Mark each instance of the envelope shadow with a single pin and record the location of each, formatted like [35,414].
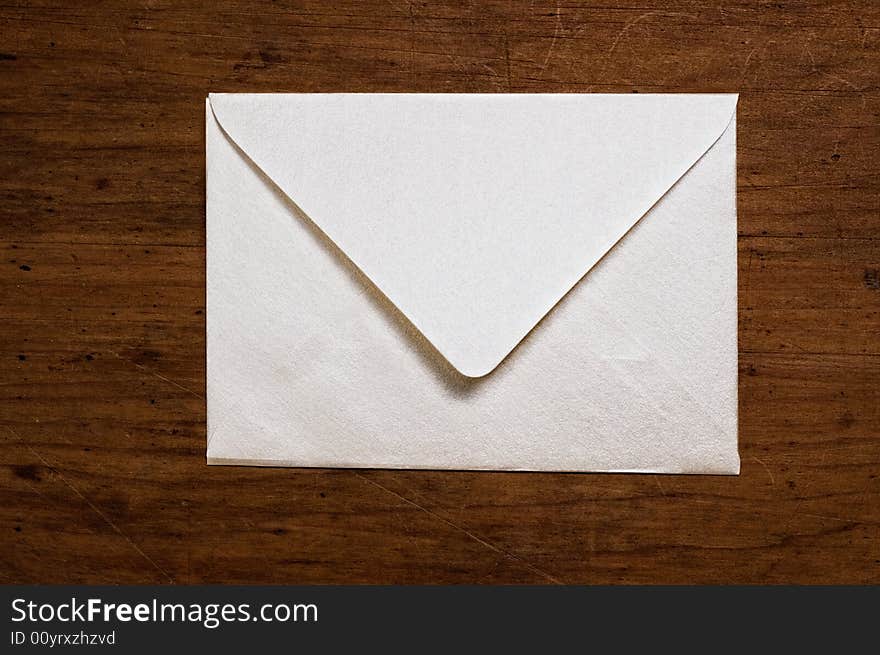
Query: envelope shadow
[456,383]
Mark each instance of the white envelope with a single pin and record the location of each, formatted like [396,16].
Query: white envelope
[510,282]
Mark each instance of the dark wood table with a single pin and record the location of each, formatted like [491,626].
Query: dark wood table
[102,296]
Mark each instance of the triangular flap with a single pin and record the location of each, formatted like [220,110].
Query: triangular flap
[474,214]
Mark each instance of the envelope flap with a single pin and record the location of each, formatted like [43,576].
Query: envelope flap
[474,214]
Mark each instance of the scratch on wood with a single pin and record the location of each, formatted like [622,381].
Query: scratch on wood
[95,509]
[766,468]
[745,67]
[465,531]
[412,41]
[815,69]
[660,485]
[748,281]
[628,26]
[843,80]
[626,29]
[161,377]
[557,27]
[507,59]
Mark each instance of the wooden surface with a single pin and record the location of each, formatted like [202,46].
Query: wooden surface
[102,289]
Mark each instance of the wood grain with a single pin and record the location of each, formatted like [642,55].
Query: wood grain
[102,327]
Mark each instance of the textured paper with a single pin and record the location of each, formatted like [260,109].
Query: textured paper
[374,260]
